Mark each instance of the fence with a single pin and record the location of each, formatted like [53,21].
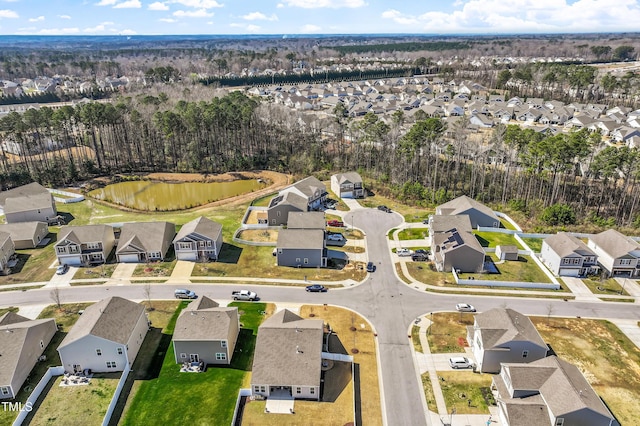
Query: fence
[337,357]
[508,219]
[519,284]
[31,400]
[70,197]
[241,393]
[116,395]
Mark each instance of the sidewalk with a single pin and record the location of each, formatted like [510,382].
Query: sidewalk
[631,287]
[581,291]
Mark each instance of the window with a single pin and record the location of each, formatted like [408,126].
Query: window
[312,391]
[61,250]
[256,388]
[306,260]
[298,390]
[209,243]
[624,262]
[278,214]
[223,344]
[111,364]
[41,344]
[99,352]
[560,421]
[525,354]
[221,356]
[4,390]
[184,246]
[119,351]
[297,260]
[183,355]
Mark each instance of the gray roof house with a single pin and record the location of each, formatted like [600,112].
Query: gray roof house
[106,337]
[282,205]
[22,342]
[566,255]
[440,224]
[310,188]
[479,214]
[28,203]
[504,335]
[7,250]
[347,185]
[618,254]
[306,220]
[206,332]
[288,356]
[26,235]
[301,248]
[200,239]
[548,392]
[456,250]
[144,241]
[84,245]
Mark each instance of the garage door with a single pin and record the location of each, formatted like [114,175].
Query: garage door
[569,272]
[128,258]
[187,256]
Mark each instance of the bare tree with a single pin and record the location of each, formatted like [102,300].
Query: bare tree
[549,312]
[55,296]
[147,294]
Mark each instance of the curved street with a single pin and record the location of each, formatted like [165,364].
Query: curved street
[388,303]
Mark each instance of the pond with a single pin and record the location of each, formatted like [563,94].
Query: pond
[164,196]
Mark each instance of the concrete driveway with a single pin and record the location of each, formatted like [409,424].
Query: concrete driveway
[63,280]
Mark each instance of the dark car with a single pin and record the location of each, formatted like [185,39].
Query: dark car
[384,209]
[316,288]
[419,257]
[422,251]
[371,267]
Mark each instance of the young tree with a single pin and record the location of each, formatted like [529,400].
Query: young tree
[55,296]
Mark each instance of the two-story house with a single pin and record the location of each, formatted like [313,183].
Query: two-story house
[479,214]
[303,243]
[347,185]
[305,195]
[84,245]
[617,253]
[457,250]
[145,241]
[200,239]
[504,335]
[28,203]
[7,250]
[567,256]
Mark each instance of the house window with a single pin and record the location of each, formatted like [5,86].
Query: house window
[256,388]
[183,355]
[99,352]
[4,390]
[111,364]
[41,344]
[208,243]
[119,351]
[560,421]
[525,354]
[297,260]
[221,356]
[61,250]
[312,391]
[278,214]
[223,344]
[263,388]
[279,251]
[298,390]
[184,246]
[625,261]
[306,260]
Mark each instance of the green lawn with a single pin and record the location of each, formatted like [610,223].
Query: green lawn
[534,244]
[33,264]
[413,234]
[524,270]
[425,272]
[507,225]
[494,239]
[155,269]
[462,391]
[264,200]
[608,286]
[5,310]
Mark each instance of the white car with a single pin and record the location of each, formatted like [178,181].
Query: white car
[460,362]
[464,307]
[404,252]
[335,237]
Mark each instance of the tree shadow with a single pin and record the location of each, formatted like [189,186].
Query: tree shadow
[229,253]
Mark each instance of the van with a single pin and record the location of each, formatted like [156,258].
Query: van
[183,293]
[460,362]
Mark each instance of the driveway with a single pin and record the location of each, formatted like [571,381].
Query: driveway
[63,280]
[182,271]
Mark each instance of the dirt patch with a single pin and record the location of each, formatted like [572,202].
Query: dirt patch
[259,235]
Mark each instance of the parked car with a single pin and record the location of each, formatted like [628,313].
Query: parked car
[371,267]
[183,293]
[335,237]
[336,223]
[464,307]
[384,209]
[404,252]
[460,362]
[425,221]
[422,251]
[244,295]
[316,288]
[62,269]
[419,257]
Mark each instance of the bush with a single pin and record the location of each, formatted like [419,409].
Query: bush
[558,214]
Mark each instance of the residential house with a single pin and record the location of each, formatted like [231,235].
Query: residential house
[282,205]
[206,332]
[503,335]
[26,235]
[301,248]
[481,120]
[145,241]
[84,245]
[441,224]
[567,256]
[347,185]
[479,214]
[306,220]
[617,253]
[548,392]
[288,357]
[22,342]
[310,188]
[106,337]
[200,239]
[457,250]
[7,250]
[28,203]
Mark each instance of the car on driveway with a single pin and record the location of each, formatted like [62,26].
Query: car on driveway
[336,223]
[335,237]
[316,288]
[422,251]
[460,362]
[404,252]
[384,209]
[62,269]
[465,307]
[419,257]
[371,267]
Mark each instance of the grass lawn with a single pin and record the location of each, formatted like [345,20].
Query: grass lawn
[494,239]
[260,235]
[524,269]
[609,360]
[448,331]
[349,249]
[264,200]
[66,316]
[10,309]
[352,234]
[423,272]
[534,244]
[251,261]
[428,392]
[415,338]
[33,265]
[608,286]
[154,269]
[507,225]
[98,271]
[413,234]
[461,390]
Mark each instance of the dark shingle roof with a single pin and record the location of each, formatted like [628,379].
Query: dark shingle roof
[202,226]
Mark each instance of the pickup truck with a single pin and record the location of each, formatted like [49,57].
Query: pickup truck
[244,295]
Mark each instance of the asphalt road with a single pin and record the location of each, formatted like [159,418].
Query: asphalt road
[389,304]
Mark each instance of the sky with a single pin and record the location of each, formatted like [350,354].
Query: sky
[154,17]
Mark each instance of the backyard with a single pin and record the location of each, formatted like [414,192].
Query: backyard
[494,239]
[410,213]
[464,391]
[413,234]
[534,244]
[522,270]
[33,265]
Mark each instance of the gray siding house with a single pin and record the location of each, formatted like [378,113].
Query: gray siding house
[288,357]
[306,220]
[145,241]
[106,337]
[567,256]
[22,342]
[504,335]
[26,235]
[84,245]
[282,205]
[618,254]
[206,333]
[347,185]
[549,391]
[443,224]
[459,251]
[199,240]
[7,250]
[479,214]
[28,203]
[304,248]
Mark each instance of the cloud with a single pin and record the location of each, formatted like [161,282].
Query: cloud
[128,32]
[158,6]
[198,4]
[200,13]
[399,18]
[259,16]
[129,4]
[98,28]
[168,20]
[106,2]
[280,5]
[6,13]
[59,31]
[253,28]
[310,28]
[333,4]
[38,19]
[64,16]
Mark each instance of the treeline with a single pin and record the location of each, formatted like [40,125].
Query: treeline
[435,46]
[30,98]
